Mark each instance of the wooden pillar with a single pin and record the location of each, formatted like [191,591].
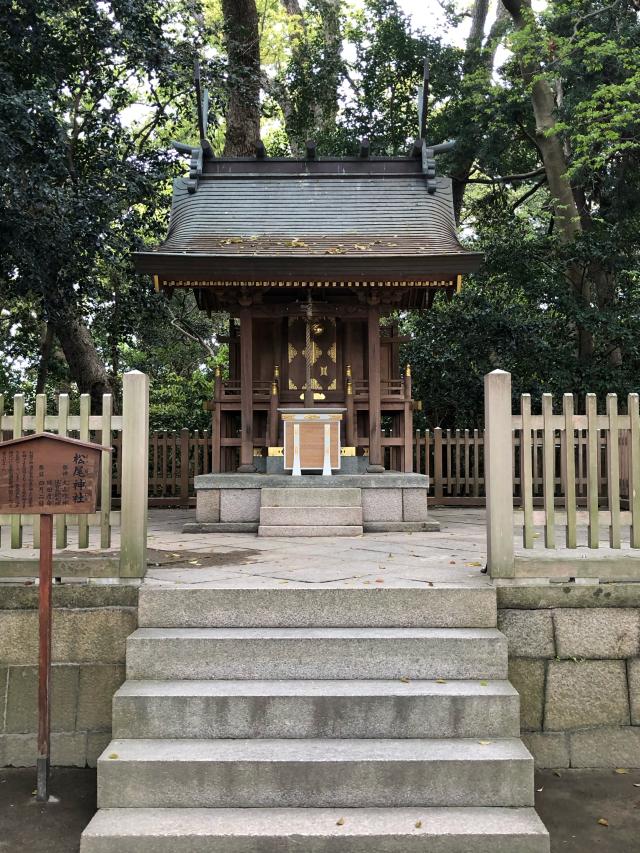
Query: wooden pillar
[273,412]
[246,391]
[375,414]
[216,424]
[407,465]
[498,439]
[135,474]
[350,421]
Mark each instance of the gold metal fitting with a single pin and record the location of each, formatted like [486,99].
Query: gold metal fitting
[407,370]
[218,371]
[348,371]
[276,372]
[274,388]
[349,387]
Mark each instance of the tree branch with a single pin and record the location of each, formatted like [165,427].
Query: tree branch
[507,179]
[534,189]
[190,333]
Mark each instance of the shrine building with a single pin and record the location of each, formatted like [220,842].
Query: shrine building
[313,259]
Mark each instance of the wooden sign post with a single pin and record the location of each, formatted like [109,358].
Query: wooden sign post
[47,475]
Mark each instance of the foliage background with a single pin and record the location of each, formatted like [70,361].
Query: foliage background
[93,93]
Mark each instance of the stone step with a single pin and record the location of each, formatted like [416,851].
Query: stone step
[315,709]
[316,653]
[327,497]
[341,773]
[310,530]
[384,830]
[328,605]
[291,516]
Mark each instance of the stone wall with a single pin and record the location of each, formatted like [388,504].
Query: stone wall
[90,627]
[574,658]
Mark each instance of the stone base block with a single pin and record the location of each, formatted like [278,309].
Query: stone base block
[401,526]
[221,527]
[239,504]
[584,694]
[68,749]
[208,506]
[606,747]
[382,504]
[550,750]
[306,530]
[396,501]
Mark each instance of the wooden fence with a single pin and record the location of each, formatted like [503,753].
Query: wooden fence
[590,460]
[453,458]
[129,432]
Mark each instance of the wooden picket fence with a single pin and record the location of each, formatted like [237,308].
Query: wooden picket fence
[453,458]
[129,432]
[587,460]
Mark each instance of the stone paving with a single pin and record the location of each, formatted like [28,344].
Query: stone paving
[455,554]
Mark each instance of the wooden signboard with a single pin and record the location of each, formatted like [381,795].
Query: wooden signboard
[45,475]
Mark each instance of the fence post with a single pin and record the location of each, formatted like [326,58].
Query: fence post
[498,481]
[135,474]
[184,466]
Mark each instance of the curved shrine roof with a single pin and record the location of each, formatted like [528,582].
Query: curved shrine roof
[250,220]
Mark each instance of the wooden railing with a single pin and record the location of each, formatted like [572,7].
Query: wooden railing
[590,460]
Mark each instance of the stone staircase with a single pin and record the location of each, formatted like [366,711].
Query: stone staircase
[316,719]
[311,512]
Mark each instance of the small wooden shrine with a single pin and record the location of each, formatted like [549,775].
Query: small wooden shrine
[313,259]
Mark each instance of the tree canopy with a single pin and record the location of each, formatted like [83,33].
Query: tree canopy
[543,104]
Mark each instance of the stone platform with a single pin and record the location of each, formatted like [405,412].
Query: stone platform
[391,502]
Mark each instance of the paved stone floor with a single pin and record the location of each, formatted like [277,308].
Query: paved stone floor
[455,554]
[570,804]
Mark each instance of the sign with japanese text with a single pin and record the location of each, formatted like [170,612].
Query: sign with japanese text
[48,474]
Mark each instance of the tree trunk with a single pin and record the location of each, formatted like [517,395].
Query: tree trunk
[85,364]
[478,53]
[567,221]
[322,93]
[46,347]
[243,83]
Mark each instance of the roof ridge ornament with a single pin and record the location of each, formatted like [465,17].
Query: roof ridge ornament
[203,151]
[421,148]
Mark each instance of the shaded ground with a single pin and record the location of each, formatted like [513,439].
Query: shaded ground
[570,805]
[572,802]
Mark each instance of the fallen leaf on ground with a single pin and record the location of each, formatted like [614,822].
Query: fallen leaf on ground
[404,679]
[621,770]
[114,755]
[340,822]
[474,563]
[379,580]
[484,684]
[440,681]
[485,742]
[603,821]
[418,824]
